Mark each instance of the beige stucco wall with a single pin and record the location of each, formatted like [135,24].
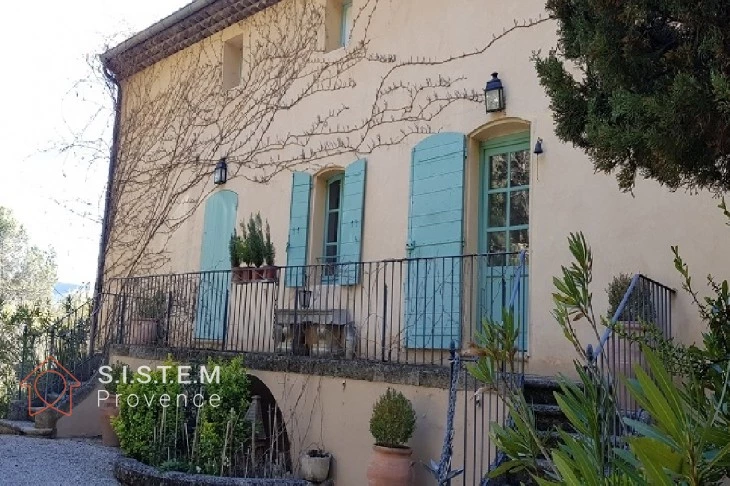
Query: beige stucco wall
[85,421]
[333,414]
[629,233]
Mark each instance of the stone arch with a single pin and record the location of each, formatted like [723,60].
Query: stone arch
[276,430]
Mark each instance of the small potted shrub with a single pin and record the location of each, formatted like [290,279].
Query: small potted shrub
[392,425]
[639,307]
[271,272]
[108,408]
[315,465]
[252,249]
[149,312]
[240,261]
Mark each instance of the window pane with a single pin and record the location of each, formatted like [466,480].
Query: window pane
[497,211]
[334,195]
[496,244]
[330,253]
[333,223]
[518,241]
[519,208]
[346,27]
[520,168]
[498,171]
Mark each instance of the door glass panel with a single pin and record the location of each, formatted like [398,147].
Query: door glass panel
[497,244]
[334,195]
[519,240]
[520,168]
[497,210]
[333,223]
[519,208]
[498,171]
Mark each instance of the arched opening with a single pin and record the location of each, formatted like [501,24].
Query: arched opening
[273,445]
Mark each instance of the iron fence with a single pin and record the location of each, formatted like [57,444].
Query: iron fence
[67,341]
[643,315]
[401,311]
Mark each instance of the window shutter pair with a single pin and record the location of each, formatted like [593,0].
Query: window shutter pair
[351,221]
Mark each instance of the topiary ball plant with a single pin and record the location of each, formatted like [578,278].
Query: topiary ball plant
[393,420]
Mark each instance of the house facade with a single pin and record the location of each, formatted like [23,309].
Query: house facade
[402,213]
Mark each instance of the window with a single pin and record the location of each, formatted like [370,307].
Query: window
[332,218]
[339,18]
[346,26]
[232,62]
[507,201]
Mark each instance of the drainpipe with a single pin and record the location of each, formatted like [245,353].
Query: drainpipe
[105,224]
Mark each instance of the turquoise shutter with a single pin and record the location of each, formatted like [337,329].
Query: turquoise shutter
[351,223]
[296,249]
[435,229]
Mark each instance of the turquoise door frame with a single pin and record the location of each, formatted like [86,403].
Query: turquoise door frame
[504,228]
[215,265]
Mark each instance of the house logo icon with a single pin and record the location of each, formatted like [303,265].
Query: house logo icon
[52,385]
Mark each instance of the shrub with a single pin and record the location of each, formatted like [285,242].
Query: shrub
[223,431]
[639,306]
[116,377]
[148,433]
[393,420]
[209,439]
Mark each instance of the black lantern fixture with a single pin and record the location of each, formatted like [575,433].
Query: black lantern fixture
[538,147]
[304,298]
[494,94]
[220,174]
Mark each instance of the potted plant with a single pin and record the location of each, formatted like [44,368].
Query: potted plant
[252,249]
[149,312]
[240,261]
[315,465]
[271,272]
[392,425]
[639,307]
[108,407]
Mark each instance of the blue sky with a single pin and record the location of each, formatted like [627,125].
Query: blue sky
[41,64]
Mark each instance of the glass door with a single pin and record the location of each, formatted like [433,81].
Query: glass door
[504,227]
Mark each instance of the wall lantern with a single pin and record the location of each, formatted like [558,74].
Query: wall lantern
[538,147]
[220,174]
[494,94]
[304,298]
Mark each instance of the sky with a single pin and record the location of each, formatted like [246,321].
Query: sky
[44,47]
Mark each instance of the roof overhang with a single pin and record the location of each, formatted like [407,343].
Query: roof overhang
[192,23]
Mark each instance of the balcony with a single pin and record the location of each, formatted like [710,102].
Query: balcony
[406,311]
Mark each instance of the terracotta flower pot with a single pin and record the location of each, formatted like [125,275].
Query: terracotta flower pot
[271,273]
[107,410]
[391,467]
[242,275]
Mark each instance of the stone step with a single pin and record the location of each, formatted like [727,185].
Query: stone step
[550,417]
[17,427]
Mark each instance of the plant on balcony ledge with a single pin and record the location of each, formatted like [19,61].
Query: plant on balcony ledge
[150,310]
[251,250]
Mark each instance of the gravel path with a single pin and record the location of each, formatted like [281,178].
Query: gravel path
[55,462]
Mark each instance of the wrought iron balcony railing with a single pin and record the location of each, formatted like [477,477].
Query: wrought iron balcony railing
[401,311]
